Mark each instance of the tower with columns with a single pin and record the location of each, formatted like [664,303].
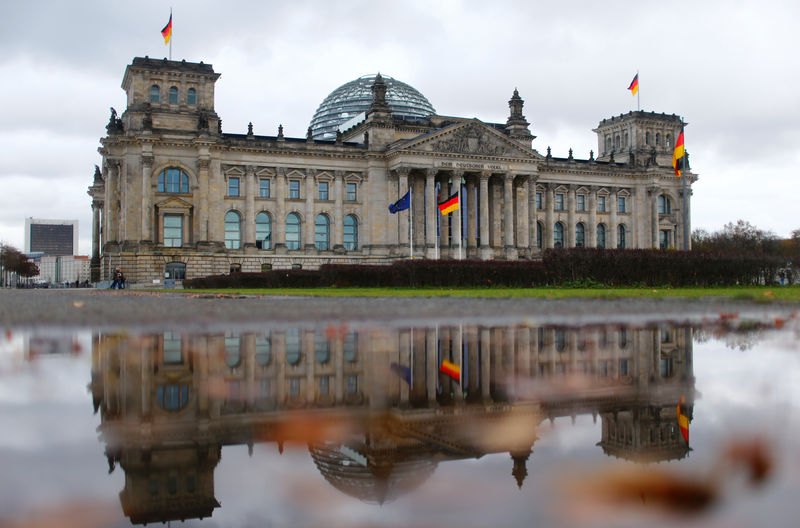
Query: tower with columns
[175,197]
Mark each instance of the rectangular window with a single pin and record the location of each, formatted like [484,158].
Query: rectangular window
[323,190]
[263,188]
[621,205]
[601,204]
[352,384]
[233,186]
[623,367]
[559,202]
[324,382]
[581,202]
[294,189]
[173,230]
[539,201]
[352,193]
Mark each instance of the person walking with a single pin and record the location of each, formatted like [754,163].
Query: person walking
[119,280]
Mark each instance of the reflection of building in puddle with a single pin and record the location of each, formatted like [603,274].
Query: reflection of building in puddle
[373,406]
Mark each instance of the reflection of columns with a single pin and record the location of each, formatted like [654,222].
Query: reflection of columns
[403,216]
[456,342]
[485,365]
[508,206]
[611,232]
[310,217]
[548,215]
[338,366]
[249,205]
[431,367]
[655,242]
[430,212]
[592,240]
[472,235]
[473,368]
[483,192]
[338,215]
[147,200]
[202,206]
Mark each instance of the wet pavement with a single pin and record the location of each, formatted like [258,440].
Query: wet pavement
[126,408]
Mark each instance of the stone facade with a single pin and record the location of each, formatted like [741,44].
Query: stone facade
[175,197]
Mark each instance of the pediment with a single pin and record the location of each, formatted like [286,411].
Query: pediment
[469,138]
[173,202]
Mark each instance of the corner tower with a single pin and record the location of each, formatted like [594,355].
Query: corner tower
[643,138]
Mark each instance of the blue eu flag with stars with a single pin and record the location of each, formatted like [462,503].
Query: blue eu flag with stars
[401,204]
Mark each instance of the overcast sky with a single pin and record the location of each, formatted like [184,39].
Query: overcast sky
[730,69]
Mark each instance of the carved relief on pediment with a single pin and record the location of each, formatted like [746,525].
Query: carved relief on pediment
[470,139]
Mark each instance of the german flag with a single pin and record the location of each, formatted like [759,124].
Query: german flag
[167,31]
[634,86]
[449,205]
[451,369]
[683,420]
[678,154]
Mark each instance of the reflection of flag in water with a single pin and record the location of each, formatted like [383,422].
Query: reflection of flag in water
[683,420]
[402,371]
[451,369]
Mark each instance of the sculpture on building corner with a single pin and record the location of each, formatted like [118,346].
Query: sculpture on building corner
[114,125]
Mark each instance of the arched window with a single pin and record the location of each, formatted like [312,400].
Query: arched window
[322,232]
[191,96]
[658,139]
[292,231]
[539,235]
[175,271]
[558,235]
[625,140]
[669,140]
[263,350]
[580,235]
[664,205]
[601,236]
[350,233]
[647,138]
[233,230]
[155,94]
[616,142]
[608,143]
[560,339]
[173,94]
[293,346]
[263,231]
[621,236]
[233,350]
[173,180]
[350,347]
[322,348]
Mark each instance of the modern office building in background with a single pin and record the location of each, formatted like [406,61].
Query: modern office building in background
[55,238]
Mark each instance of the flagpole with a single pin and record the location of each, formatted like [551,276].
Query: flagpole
[460,222]
[170,34]
[685,199]
[638,93]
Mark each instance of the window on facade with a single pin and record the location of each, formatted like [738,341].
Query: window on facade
[173,354]
[559,202]
[601,204]
[175,271]
[323,190]
[658,139]
[324,385]
[621,203]
[352,384]
[173,94]
[172,397]
[623,367]
[621,236]
[538,201]
[608,143]
[663,239]
[558,235]
[539,235]
[263,350]
[625,140]
[601,236]
[667,367]
[560,339]
[235,268]
[664,205]
[191,96]
[173,230]
[263,188]
[322,348]
[581,202]
[263,231]
[350,347]
[266,267]
[322,232]
[233,186]
[294,387]
[154,94]
[623,338]
[233,349]
[617,142]
[294,189]
[352,192]
[233,230]
[292,231]
[173,181]
[293,346]
[580,235]
[350,233]
[669,140]
[647,138]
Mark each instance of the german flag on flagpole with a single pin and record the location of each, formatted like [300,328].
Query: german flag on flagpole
[683,420]
[678,154]
[167,31]
[451,369]
[449,205]
[634,86]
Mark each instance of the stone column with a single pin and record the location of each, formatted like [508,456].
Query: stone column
[402,216]
[508,206]
[337,223]
[611,232]
[472,235]
[202,205]
[250,190]
[431,212]
[455,216]
[548,215]
[109,230]
[523,217]
[95,262]
[483,192]
[310,215]
[533,212]
[569,231]
[147,200]
[592,228]
[279,224]
[654,239]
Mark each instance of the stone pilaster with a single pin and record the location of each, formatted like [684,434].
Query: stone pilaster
[653,192]
[611,232]
[592,228]
[472,235]
[533,212]
[402,216]
[250,190]
[310,215]
[455,216]
[569,231]
[483,196]
[523,215]
[147,233]
[508,209]
[430,212]
[337,222]
[202,206]
[548,215]
[279,224]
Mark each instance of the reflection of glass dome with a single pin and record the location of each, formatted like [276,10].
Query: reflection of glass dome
[379,483]
[355,97]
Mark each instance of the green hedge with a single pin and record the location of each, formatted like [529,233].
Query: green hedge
[577,266]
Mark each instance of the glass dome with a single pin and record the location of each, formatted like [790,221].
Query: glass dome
[353,98]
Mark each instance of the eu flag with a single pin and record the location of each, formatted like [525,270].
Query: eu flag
[401,204]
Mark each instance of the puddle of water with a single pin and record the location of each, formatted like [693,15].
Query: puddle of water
[441,425]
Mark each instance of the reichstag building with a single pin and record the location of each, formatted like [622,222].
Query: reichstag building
[177,198]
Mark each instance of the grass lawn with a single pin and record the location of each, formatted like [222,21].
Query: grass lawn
[760,294]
